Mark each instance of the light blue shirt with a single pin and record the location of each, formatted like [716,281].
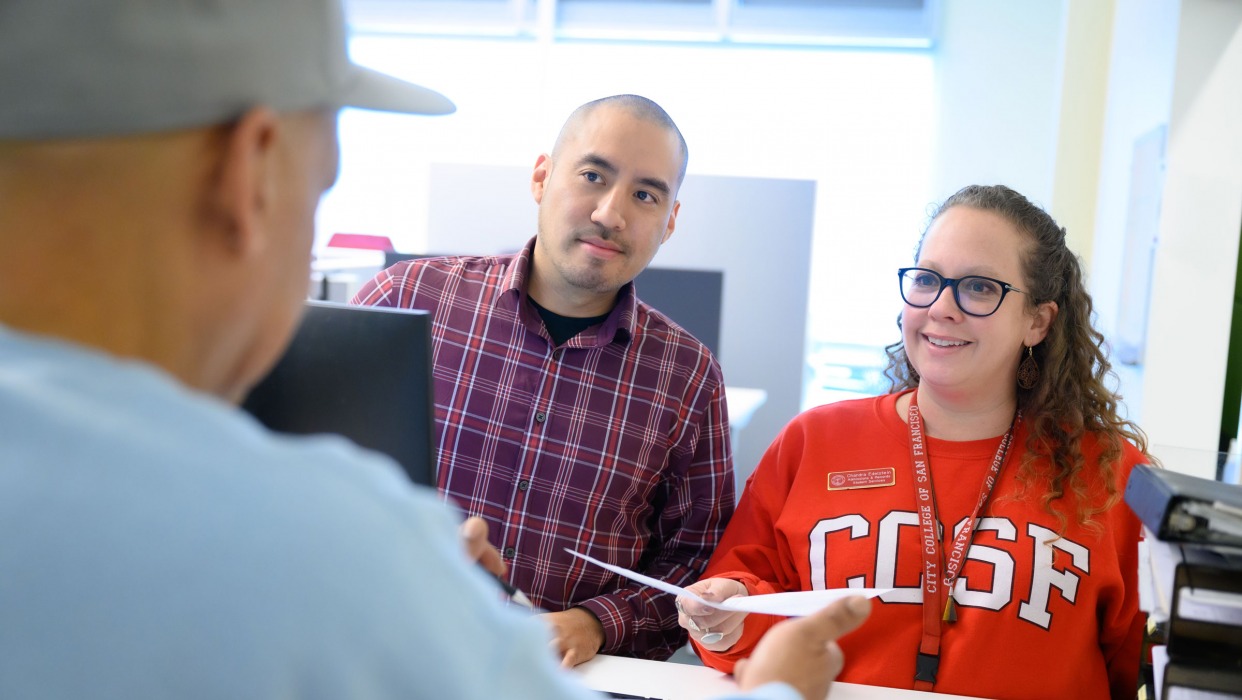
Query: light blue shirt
[156,542]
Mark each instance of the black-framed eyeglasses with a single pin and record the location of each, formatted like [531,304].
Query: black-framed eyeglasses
[975,295]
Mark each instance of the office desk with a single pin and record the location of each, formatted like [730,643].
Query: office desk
[742,403]
[670,681]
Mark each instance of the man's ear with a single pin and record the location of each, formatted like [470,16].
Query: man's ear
[246,184]
[539,177]
[672,222]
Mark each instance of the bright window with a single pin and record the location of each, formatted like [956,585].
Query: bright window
[857,122]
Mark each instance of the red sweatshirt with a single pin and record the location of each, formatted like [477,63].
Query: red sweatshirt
[1039,615]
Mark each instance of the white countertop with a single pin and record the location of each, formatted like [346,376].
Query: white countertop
[673,681]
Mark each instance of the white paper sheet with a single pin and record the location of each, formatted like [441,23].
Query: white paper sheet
[791,604]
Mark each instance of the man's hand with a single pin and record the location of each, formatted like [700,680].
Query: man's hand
[803,651]
[474,539]
[577,635]
[722,628]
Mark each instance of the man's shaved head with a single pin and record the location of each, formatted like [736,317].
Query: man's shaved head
[636,105]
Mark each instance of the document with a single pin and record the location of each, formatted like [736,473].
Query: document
[790,604]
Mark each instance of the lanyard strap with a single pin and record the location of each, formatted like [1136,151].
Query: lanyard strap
[937,584]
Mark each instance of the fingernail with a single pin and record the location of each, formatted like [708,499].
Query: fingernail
[858,604]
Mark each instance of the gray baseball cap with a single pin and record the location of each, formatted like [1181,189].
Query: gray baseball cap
[87,68]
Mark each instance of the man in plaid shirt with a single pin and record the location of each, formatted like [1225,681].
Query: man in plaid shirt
[571,415]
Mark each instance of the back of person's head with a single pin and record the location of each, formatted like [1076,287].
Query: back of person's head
[173,150]
[110,67]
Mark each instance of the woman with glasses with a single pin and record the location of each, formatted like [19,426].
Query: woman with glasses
[984,494]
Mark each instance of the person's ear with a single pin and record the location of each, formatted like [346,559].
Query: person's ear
[246,184]
[1041,322]
[672,222]
[539,177]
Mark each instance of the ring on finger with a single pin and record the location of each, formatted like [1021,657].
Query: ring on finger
[689,620]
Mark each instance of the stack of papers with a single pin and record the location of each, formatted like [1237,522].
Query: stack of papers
[1190,580]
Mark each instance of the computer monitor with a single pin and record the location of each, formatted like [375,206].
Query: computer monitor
[358,371]
[692,298]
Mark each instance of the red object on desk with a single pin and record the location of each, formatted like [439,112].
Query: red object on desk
[361,240]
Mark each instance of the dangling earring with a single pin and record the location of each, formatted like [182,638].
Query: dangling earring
[1028,371]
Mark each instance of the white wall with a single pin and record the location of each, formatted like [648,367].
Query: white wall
[998,88]
[1084,96]
[1140,92]
[1195,267]
[1178,64]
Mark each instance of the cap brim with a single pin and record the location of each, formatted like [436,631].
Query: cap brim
[374,90]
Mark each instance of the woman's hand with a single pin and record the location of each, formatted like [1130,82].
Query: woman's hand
[713,629]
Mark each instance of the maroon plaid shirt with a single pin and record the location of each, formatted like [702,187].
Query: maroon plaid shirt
[614,444]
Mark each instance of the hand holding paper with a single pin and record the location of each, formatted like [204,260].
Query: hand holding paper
[790,604]
[712,628]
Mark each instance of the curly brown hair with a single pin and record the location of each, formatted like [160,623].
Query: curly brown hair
[1071,398]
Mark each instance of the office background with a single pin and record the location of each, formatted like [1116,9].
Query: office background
[1074,103]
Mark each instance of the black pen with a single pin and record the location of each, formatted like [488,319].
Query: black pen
[514,593]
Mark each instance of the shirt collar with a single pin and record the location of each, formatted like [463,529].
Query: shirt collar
[617,328]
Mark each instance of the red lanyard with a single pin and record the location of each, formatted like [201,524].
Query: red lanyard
[938,585]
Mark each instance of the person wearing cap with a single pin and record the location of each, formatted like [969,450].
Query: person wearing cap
[572,415]
[160,167]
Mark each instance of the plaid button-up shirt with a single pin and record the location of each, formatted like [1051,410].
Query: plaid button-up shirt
[614,444]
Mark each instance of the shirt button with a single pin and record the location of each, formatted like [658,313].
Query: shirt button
[510,552]
[523,485]
[540,417]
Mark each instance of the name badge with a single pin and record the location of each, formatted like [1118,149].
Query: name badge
[862,479]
